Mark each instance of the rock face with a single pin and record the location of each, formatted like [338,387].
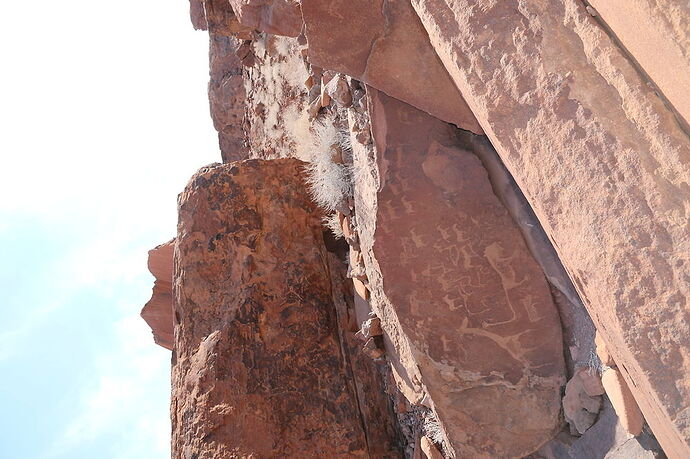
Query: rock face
[605,166]
[227,96]
[158,312]
[259,368]
[468,298]
[279,17]
[386,48]
[657,34]
[483,272]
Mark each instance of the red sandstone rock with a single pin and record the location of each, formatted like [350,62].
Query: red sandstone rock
[623,401]
[458,293]
[278,17]
[603,162]
[227,96]
[383,44]
[260,368]
[158,312]
[429,450]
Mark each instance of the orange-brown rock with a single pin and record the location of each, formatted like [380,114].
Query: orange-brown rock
[158,312]
[623,401]
[657,34]
[227,96]
[383,44]
[429,450]
[278,17]
[217,17]
[605,165]
[261,365]
[464,305]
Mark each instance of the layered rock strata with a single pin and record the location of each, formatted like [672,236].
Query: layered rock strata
[260,368]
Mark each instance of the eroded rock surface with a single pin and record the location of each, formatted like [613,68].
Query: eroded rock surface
[259,368]
[158,312]
[470,301]
[604,164]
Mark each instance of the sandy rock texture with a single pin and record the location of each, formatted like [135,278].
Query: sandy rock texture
[227,96]
[605,166]
[158,312]
[260,368]
[463,303]
[387,48]
[279,17]
[656,33]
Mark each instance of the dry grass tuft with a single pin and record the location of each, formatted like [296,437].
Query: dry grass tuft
[329,171]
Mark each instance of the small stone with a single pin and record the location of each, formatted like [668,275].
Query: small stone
[361,289]
[579,408]
[347,227]
[592,12]
[309,82]
[371,327]
[314,108]
[363,137]
[591,381]
[372,349]
[339,91]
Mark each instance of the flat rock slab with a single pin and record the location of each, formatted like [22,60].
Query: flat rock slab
[472,302]
[259,368]
[383,44]
[604,164]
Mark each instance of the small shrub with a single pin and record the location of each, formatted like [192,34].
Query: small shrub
[329,171]
[332,222]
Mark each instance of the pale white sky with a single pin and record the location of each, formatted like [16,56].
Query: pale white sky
[103,118]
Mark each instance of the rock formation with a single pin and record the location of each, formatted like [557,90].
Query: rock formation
[158,312]
[500,264]
[259,366]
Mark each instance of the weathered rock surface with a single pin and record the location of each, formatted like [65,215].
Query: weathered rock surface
[158,312]
[259,368]
[465,303]
[279,17]
[227,96]
[218,18]
[383,44]
[623,401]
[657,35]
[605,166]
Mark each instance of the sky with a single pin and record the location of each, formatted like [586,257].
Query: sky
[103,118]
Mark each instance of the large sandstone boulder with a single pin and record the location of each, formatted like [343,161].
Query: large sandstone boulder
[260,368]
[469,320]
[657,34]
[158,312]
[383,44]
[605,165]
